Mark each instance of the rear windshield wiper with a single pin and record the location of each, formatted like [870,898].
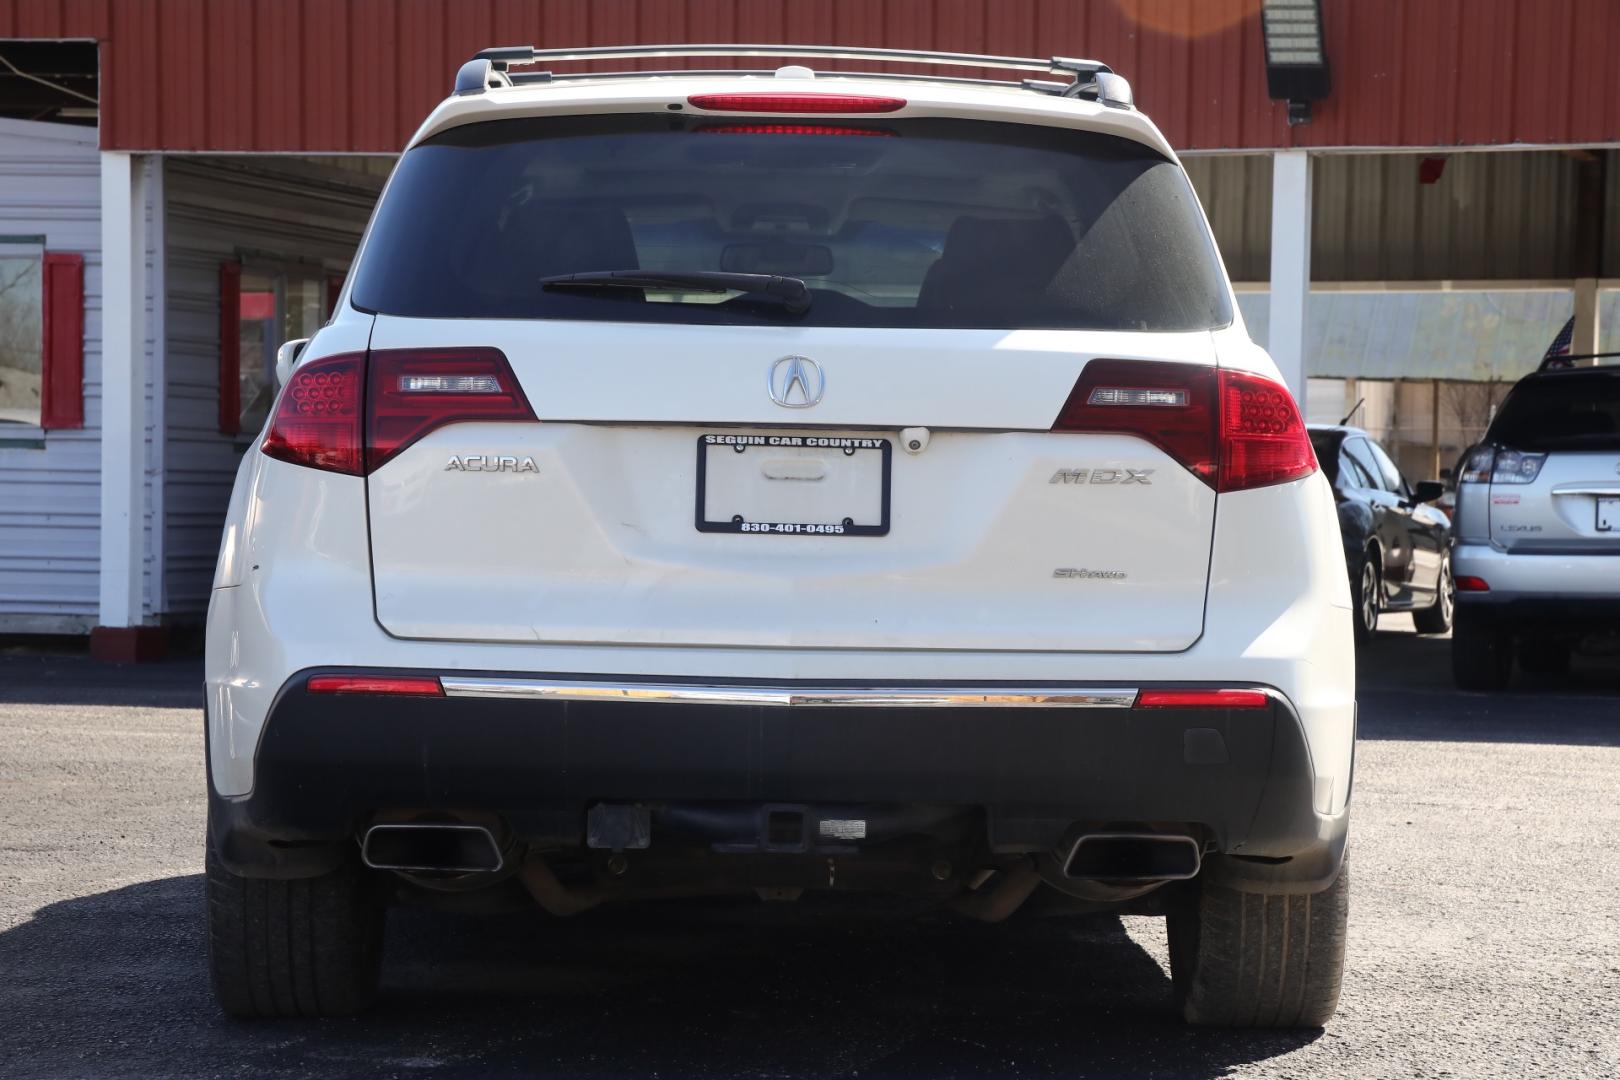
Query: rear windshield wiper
[794,293]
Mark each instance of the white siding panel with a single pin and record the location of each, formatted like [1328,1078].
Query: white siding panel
[220,209]
[50,491]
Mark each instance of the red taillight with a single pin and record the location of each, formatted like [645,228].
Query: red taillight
[321,421]
[1172,406]
[1201,699]
[796,103]
[318,418]
[786,129]
[414,391]
[1263,437]
[1469,583]
[1232,429]
[394,685]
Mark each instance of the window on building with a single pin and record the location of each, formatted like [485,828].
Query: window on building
[22,320]
[273,307]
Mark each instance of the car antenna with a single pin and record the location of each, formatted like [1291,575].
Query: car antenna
[1352,412]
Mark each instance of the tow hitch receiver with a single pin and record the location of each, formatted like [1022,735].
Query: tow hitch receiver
[618,827]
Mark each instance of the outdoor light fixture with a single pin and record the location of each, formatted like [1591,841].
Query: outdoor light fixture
[1296,65]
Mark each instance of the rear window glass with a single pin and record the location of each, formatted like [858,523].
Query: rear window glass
[1574,410]
[909,223]
[1326,445]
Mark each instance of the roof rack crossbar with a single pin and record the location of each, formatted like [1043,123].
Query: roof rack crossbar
[524,54]
[519,78]
[1092,79]
[1568,361]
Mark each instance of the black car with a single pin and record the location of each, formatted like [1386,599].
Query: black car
[1396,547]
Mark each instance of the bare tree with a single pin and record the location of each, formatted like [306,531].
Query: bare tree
[20,337]
[1466,410]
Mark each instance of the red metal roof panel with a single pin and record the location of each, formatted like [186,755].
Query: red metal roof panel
[358,75]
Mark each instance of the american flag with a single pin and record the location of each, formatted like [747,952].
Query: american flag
[1560,344]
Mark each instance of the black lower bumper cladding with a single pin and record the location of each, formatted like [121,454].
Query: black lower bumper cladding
[328,764]
[1583,613]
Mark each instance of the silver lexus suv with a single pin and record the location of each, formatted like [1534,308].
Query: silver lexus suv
[1537,528]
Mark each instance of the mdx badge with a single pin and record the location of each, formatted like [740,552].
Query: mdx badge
[1102,476]
[490,463]
[796,382]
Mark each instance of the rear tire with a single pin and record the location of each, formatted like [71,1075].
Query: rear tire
[1437,619]
[1369,599]
[1481,653]
[1241,959]
[307,947]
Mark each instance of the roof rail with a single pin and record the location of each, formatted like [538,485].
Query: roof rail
[1568,362]
[1092,80]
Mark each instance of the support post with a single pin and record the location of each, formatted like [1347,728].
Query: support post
[1585,340]
[1591,202]
[123,412]
[1290,264]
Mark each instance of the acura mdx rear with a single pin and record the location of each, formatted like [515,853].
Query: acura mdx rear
[774,485]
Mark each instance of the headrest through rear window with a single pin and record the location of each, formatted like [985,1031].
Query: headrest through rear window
[547,237]
[996,263]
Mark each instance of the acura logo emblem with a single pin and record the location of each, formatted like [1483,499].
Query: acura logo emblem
[796,382]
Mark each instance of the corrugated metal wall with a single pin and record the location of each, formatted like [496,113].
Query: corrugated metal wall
[50,487]
[1236,192]
[1489,216]
[268,213]
[358,75]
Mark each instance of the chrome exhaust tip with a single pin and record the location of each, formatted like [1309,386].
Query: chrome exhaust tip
[1133,857]
[431,847]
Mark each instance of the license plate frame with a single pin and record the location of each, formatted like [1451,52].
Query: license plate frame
[1608,513]
[784,440]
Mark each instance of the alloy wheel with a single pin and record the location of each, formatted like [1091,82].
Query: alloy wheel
[1368,600]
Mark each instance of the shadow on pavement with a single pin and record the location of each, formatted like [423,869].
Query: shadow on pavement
[114,985]
[1405,691]
[34,677]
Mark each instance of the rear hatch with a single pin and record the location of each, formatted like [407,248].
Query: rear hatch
[719,468]
[1555,484]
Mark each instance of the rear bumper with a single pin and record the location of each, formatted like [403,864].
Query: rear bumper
[1576,614]
[1570,592]
[1524,576]
[326,765]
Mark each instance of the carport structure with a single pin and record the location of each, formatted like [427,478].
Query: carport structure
[1463,149]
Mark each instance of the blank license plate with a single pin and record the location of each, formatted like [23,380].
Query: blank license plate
[793,485]
[1608,515]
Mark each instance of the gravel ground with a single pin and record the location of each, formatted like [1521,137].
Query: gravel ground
[1485,928]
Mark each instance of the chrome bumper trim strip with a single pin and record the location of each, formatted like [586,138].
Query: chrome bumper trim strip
[1054,697]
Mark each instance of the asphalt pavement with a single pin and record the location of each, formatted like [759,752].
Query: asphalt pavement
[1484,941]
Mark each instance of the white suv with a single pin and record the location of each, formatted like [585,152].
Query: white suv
[729,483]
[1537,528]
